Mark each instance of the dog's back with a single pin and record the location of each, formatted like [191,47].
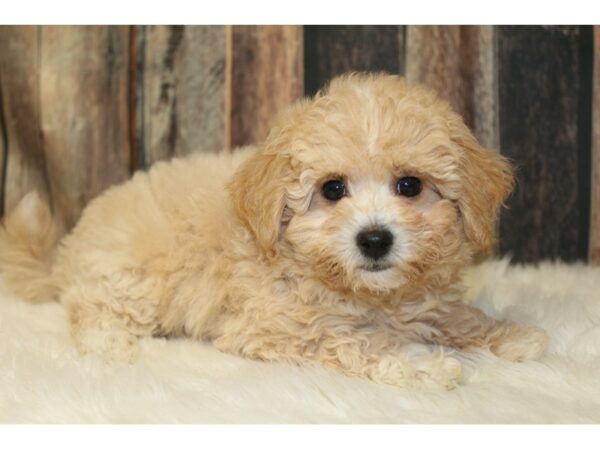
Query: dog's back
[132,225]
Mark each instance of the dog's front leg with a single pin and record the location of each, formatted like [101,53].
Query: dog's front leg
[463,326]
[363,351]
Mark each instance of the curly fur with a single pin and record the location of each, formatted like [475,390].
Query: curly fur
[241,249]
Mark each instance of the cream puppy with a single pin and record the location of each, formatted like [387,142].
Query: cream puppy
[339,240]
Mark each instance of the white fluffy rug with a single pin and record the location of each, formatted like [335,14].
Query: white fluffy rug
[43,379]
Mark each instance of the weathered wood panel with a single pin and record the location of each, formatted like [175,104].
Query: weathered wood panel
[137,45]
[594,253]
[3,142]
[184,90]
[24,164]
[84,76]
[458,63]
[267,76]
[543,88]
[332,50]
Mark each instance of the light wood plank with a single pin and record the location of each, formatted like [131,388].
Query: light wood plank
[24,163]
[84,76]
[267,76]
[184,90]
[458,62]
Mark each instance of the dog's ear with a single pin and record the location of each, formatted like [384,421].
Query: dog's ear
[487,179]
[258,194]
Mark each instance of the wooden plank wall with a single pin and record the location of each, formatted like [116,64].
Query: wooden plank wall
[267,75]
[458,62]
[334,50]
[24,165]
[82,107]
[3,141]
[182,90]
[84,76]
[65,113]
[594,253]
[543,128]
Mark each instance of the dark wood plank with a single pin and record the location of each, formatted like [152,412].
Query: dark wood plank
[3,146]
[267,76]
[544,94]
[594,253]
[184,90]
[458,63]
[24,163]
[84,81]
[332,50]
[137,52]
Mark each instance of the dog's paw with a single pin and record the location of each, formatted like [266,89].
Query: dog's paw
[431,371]
[521,343]
[110,344]
[437,372]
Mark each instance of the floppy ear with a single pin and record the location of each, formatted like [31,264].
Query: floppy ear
[258,194]
[487,179]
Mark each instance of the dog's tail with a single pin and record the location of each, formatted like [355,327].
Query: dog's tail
[28,237]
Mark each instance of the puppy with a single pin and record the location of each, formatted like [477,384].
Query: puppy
[339,240]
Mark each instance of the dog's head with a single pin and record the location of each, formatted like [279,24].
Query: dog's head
[371,185]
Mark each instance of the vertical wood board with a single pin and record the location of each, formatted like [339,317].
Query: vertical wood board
[3,139]
[184,96]
[84,81]
[332,50]
[594,251]
[24,163]
[543,92]
[267,76]
[458,63]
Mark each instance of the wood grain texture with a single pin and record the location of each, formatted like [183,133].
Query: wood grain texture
[84,76]
[3,142]
[594,253]
[332,50]
[24,163]
[184,90]
[458,63]
[542,96]
[3,146]
[267,76]
[137,46]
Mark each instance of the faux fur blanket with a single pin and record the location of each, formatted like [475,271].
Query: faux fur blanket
[43,379]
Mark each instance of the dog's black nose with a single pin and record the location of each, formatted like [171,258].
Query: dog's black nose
[374,242]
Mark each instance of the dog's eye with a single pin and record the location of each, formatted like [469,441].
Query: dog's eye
[333,190]
[409,186]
